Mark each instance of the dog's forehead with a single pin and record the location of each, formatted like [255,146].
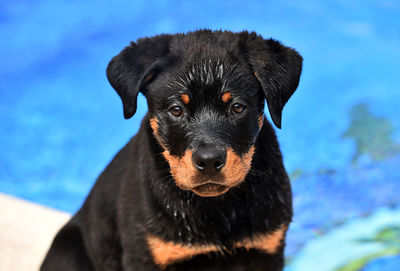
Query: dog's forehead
[205,61]
[199,74]
[211,77]
[206,68]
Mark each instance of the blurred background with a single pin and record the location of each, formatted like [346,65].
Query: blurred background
[61,122]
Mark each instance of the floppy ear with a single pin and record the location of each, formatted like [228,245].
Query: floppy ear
[135,67]
[278,69]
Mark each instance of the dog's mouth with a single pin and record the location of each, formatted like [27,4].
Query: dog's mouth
[209,184]
[210,189]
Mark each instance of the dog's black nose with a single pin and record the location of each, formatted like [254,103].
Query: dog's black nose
[209,160]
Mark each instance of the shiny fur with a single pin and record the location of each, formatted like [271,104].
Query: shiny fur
[153,207]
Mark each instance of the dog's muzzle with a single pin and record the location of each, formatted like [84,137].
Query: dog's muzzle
[209,163]
[209,171]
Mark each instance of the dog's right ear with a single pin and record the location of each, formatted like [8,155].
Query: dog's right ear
[278,70]
[135,67]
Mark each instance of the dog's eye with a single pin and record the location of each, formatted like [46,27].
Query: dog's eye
[238,108]
[177,111]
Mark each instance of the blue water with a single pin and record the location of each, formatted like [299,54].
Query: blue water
[61,122]
[384,263]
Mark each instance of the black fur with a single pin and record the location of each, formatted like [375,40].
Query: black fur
[136,194]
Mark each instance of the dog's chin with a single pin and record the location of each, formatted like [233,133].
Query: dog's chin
[206,187]
[210,190]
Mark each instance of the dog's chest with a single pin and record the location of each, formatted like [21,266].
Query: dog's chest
[166,253]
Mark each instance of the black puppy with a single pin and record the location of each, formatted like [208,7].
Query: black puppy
[202,185]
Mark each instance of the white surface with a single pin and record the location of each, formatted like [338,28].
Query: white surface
[26,232]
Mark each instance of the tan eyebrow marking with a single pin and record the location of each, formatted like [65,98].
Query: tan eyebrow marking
[226,97]
[185,98]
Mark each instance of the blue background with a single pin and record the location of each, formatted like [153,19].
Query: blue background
[61,122]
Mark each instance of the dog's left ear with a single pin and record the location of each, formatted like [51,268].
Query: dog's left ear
[278,70]
[135,67]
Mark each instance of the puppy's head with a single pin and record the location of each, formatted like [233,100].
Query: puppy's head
[205,93]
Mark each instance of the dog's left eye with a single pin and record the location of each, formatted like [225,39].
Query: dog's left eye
[238,108]
[176,110]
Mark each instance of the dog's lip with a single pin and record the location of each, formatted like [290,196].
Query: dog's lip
[210,189]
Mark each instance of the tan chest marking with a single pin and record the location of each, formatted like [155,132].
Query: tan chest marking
[267,243]
[166,252]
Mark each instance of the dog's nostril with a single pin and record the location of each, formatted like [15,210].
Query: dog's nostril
[200,165]
[218,164]
[209,160]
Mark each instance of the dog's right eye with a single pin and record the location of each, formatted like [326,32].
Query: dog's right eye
[176,110]
[238,108]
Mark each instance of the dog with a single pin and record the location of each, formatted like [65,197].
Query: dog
[202,185]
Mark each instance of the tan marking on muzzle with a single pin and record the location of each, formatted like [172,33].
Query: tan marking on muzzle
[226,97]
[260,121]
[165,253]
[185,98]
[236,167]
[187,177]
[154,127]
[182,169]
